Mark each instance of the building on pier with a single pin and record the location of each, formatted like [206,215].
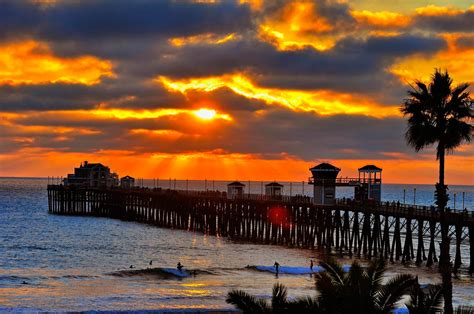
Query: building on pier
[235,190]
[324,182]
[370,178]
[94,175]
[273,189]
[127,182]
[368,186]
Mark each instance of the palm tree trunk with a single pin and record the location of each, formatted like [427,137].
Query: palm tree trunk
[444,262]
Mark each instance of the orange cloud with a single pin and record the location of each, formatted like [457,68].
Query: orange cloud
[383,19]
[32,62]
[296,26]
[208,39]
[322,101]
[458,61]
[153,114]
[434,10]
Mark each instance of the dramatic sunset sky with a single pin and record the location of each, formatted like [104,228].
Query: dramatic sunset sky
[256,90]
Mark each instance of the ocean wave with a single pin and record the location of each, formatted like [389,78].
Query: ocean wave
[12,278]
[166,273]
[291,270]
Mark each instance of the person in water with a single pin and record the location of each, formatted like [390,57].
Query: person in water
[277,267]
[151,263]
[311,264]
[179,266]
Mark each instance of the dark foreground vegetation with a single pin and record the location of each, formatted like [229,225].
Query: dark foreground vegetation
[359,290]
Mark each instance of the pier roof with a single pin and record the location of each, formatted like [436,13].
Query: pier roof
[370,168]
[274,183]
[236,183]
[325,167]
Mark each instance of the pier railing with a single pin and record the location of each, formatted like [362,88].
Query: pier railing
[343,181]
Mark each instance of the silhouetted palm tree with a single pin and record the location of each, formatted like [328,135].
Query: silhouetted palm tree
[360,290]
[437,114]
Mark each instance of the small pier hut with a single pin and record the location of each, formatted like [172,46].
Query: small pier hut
[324,182]
[273,189]
[370,177]
[235,190]
[127,182]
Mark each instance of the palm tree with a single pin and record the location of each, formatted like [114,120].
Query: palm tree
[437,114]
[360,290]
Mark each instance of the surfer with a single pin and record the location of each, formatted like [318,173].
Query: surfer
[179,266]
[311,264]
[277,267]
[131,266]
[151,263]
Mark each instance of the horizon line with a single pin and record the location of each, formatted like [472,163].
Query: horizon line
[223,180]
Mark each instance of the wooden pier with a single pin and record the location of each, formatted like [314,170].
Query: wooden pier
[392,231]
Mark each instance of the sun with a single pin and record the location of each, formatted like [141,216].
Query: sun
[205,114]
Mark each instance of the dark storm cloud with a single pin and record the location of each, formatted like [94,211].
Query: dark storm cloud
[349,57]
[120,18]
[119,93]
[465,42]
[462,22]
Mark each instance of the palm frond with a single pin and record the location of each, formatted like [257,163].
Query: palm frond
[279,297]
[416,304]
[393,291]
[304,305]
[375,272]
[334,270]
[434,299]
[247,303]
[438,113]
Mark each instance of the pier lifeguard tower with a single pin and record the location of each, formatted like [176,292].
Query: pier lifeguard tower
[235,190]
[370,178]
[368,186]
[273,189]
[324,182]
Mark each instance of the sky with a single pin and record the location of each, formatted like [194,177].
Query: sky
[248,90]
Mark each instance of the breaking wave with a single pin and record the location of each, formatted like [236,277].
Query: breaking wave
[166,273]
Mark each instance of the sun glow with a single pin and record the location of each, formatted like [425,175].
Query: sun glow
[323,102]
[205,114]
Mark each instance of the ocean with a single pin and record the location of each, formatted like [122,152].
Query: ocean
[65,263]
